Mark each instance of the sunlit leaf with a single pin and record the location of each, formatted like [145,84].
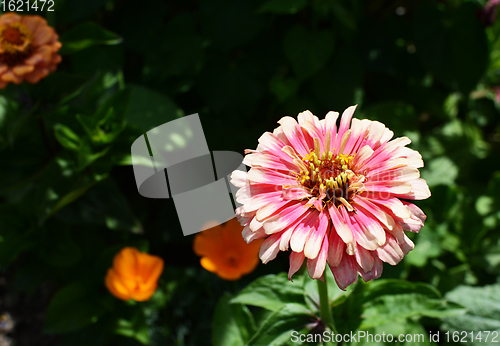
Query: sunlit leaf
[483,312]
[278,328]
[271,292]
[149,108]
[233,324]
[86,35]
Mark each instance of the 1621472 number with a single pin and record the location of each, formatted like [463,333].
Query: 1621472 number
[26,5]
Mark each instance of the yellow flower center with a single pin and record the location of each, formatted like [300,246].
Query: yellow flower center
[330,176]
[15,43]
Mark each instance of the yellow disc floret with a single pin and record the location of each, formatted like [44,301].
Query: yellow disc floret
[15,42]
[329,176]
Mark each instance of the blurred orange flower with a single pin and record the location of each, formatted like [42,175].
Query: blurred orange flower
[134,274]
[225,253]
[28,49]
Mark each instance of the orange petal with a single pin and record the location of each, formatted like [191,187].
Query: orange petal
[228,273]
[43,72]
[199,245]
[143,295]
[232,233]
[125,262]
[217,245]
[248,262]
[33,77]
[45,52]
[36,75]
[208,264]
[21,70]
[56,46]
[209,243]
[34,59]
[149,267]
[115,286]
[9,18]
[234,224]
[43,36]
[9,76]
[34,23]
[253,248]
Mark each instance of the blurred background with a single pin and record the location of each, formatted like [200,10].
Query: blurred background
[428,70]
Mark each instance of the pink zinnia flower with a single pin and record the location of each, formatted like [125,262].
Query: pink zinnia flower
[332,195]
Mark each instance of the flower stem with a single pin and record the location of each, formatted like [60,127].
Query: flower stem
[324,306]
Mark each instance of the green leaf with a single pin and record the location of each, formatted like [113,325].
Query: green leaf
[345,13]
[135,328]
[399,307]
[378,288]
[70,197]
[67,137]
[390,302]
[96,89]
[15,120]
[86,35]
[70,309]
[483,312]
[109,120]
[58,86]
[86,154]
[440,171]
[308,51]
[395,301]
[278,327]
[451,104]
[428,244]
[485,205]
[233,324]
[149,108]
[283,6]
[48,198]
[283,88]
[271,292]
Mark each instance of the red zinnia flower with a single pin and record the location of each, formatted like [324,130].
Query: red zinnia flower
[28,49]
